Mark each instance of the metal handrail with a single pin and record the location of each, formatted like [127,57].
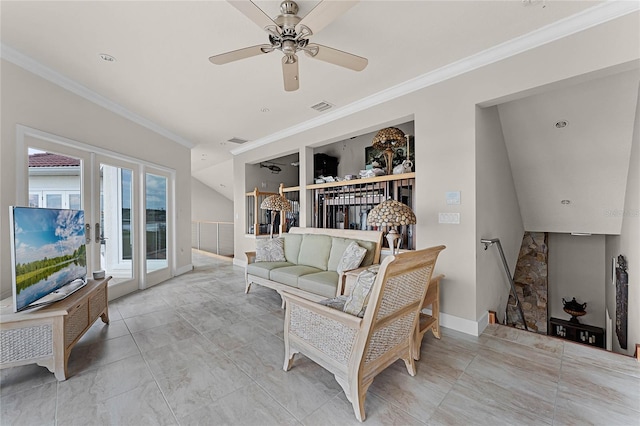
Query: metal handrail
[489,242]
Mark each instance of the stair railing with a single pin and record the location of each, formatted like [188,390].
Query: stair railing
[496,241]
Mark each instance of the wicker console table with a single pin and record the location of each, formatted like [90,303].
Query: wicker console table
[45,336]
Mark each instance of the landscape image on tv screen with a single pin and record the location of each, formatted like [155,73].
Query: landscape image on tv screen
[48,251]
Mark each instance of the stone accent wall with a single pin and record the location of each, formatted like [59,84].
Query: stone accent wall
[531,281]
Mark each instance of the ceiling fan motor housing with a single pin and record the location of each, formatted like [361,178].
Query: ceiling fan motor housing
[289,7]
[289,42]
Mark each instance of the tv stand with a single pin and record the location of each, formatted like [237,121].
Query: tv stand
[45,336]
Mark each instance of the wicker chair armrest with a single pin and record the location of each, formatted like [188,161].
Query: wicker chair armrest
[436,279]
[251,256]
[350,321]
[347,279]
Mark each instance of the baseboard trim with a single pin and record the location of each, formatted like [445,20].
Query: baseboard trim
[239,262]
[482,322]
[463,325]
[183,270]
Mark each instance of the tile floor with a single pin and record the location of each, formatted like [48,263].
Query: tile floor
[197,350]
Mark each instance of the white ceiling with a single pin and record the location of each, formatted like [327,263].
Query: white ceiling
[585,162]
[162,78]
[162,72]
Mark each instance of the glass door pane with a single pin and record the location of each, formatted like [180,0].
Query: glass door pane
[116,222]
[51,177]
[53,201]
[74,201]
[156,222]
[34,199]
[59,177]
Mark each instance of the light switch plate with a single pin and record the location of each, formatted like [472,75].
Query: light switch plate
[449,218]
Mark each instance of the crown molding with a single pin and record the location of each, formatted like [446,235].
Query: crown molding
[565,27]
[12,55]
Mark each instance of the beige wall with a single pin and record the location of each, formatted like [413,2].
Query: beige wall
[209,205]
[497,216]
[628,244]
[37,103]
[576,265]
[267,181]
[444,116]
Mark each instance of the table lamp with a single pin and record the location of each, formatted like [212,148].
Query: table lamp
[275,203]
[391,213]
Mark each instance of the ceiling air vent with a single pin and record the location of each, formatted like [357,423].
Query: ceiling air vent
[322,106]
[237,140]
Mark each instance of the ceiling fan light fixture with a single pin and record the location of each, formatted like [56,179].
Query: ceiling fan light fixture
[290,34]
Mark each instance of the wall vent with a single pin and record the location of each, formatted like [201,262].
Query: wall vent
[322,106]
[237,140]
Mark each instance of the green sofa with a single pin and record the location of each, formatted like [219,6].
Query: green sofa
[312,256]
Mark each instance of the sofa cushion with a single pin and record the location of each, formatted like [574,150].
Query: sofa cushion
[270,250]
[351,258]
[338,246]
[262,269]
[323,283]
[314,251]
[289,274]
[292,246]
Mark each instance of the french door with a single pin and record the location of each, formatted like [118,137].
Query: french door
[128,206]
[157,235]
[114,224]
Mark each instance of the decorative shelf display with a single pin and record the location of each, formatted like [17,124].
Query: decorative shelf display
[347,204]
[574,331]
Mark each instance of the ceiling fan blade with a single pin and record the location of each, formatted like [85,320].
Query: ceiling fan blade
[290,73]
[253,12]
[236,55]
[336,57]
[323,14]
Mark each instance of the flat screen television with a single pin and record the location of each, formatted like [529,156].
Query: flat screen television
[48,254]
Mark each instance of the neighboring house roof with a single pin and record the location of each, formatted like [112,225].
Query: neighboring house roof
[48,159]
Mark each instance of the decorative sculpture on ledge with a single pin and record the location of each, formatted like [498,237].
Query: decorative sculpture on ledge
[622,294]
[388,139]
[574,309]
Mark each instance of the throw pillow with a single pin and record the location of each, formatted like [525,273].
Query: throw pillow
[359,297]
[270,250]
[351,258]
[335,302]
[338,303]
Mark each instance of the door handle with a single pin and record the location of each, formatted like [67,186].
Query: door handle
[87,233]
[97,233]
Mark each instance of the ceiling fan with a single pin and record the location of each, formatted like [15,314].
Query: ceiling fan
[290,34]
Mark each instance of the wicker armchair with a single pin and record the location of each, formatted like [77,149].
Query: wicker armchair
[356,349]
